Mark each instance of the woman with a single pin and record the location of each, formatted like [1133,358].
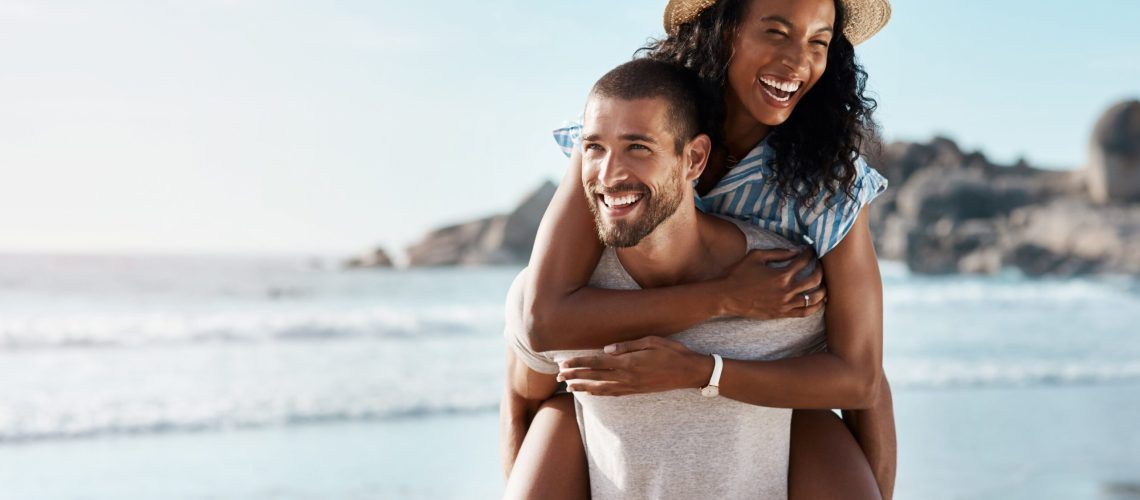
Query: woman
[798,174]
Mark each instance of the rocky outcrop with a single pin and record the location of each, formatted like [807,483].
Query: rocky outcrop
[377,258]
[1072,236]
[950,211]
[499,239]
[1114,155]
[947,211]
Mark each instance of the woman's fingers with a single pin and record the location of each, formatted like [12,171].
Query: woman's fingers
[769,255]
[804,312]
[814,297]
[632,345]
[798,264]
[598,388]
[597,361]
[589,374]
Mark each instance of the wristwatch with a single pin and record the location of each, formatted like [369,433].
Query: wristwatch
[712,390]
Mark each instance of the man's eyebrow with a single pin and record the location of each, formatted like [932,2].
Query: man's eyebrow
[624,137]
[638,138]
[784,21]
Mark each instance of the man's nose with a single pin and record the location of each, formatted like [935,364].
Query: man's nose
[612,170]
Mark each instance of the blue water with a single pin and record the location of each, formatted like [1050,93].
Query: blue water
[93,345]
[133,360]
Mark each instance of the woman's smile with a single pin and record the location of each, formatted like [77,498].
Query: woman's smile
[778,92]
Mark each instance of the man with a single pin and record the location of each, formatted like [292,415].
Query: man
[673,436]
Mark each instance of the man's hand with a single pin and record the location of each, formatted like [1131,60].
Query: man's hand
[649,364]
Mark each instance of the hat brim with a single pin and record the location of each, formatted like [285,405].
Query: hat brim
[865,18]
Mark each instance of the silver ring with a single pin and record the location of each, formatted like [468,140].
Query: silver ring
[805,300]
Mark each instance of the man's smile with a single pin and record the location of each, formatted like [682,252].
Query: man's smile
[621,201]
[615,205]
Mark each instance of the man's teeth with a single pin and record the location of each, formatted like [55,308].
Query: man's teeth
[785,86]
[620,201]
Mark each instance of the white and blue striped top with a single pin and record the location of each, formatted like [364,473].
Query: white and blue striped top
[745,193]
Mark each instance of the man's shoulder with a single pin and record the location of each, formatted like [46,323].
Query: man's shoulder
[609,273]
[756,237]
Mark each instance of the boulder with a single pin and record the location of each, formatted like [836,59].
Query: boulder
[937,192]
[374,259]
[1113,168]
[1071,236]
[955,246]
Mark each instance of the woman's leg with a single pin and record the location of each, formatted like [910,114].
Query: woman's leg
[551,462]
[826,462]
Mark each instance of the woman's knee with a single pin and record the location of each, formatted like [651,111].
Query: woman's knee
[562,403]
[551,463]
[825,461]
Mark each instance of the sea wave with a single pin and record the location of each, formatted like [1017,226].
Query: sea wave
[72,427]
[169,412]
[959,291]
[946,374]
[158,328]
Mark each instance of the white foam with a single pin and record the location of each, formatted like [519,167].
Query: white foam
[148,328]
[933,374]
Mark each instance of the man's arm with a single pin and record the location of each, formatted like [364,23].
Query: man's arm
[525,391]
[874,429]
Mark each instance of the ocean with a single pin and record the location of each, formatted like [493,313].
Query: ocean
[287,377]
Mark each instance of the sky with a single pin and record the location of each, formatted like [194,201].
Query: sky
[332,126]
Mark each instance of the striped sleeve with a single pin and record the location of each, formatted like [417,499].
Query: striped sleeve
[568,136]
[826,222]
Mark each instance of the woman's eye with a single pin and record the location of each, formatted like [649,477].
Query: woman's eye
[593,147]
[777,32]
[821,43]
[638,146]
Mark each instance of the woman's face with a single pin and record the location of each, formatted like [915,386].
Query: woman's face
[779,53]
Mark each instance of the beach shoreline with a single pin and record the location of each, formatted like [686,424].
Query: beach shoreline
[1071,441]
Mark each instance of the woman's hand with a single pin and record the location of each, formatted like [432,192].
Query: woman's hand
[759,287]
[649,364]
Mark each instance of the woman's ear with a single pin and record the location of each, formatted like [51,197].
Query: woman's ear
[697,152]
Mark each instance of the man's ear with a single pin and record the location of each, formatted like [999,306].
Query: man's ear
[697,152]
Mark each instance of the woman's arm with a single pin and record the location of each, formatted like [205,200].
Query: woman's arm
[846,376]
[561,312]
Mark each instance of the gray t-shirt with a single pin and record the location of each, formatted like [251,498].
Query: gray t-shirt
[679,444]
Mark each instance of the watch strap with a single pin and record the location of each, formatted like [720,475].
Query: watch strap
[718,366]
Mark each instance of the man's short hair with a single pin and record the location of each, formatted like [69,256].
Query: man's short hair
[648,79]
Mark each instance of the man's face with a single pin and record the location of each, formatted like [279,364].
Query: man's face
[631,170]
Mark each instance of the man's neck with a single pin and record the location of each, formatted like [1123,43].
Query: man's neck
[688,247]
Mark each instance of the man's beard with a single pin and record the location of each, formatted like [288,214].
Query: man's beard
[659,207]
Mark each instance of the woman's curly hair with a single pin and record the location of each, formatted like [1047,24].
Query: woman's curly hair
[816,148]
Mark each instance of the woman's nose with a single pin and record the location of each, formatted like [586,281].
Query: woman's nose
[796,57]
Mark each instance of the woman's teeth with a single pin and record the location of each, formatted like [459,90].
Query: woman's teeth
[620,201]
[780,91]
[785,86]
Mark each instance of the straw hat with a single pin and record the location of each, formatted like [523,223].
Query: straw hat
[864,17]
